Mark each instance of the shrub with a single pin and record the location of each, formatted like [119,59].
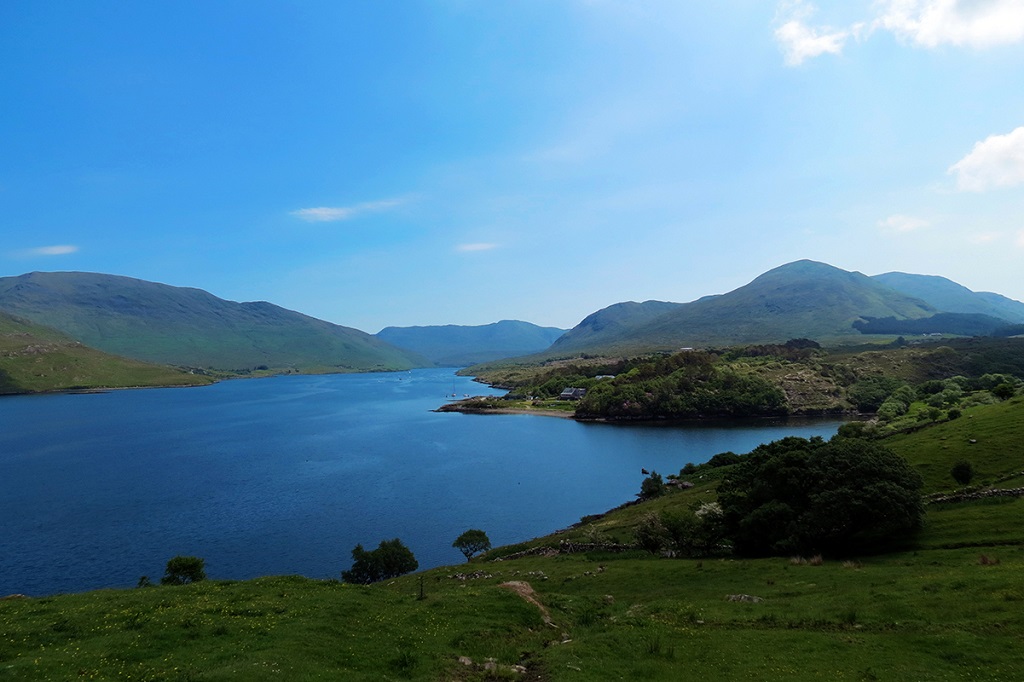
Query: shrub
[182,570]
[962,472]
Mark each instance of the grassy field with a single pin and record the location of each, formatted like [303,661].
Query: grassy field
[947,608]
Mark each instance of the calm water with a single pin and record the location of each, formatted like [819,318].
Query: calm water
[286,475]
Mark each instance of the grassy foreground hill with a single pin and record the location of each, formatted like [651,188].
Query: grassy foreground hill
[190,327]
[35,359]
[565,607]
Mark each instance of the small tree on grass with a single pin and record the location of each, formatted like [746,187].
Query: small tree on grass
[652,486]
[182,570]
[390,560]
[962,472]
[472,542]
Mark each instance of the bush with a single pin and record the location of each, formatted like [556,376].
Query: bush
[962,472]
[797,496]
[390,560]
[182,570]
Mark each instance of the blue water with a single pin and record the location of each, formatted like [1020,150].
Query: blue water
[285,475]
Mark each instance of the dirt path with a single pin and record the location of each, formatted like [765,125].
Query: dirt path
[524,590]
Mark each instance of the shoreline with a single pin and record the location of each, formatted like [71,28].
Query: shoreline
[461,408]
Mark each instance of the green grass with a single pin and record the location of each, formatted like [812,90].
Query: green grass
[951,607]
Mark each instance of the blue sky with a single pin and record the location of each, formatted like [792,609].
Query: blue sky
[457,161]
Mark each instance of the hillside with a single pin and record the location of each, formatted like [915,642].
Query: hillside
[948,296]
[459,346]
[190,327]
[34,359]
[567,607]
[804,299]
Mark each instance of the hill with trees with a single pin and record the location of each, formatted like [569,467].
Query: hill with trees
[190,327]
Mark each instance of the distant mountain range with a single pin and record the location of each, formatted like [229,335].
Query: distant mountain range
[190,327]
[804,299]
[459,346]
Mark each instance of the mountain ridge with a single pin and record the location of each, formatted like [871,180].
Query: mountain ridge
[191,327]
[461,345]
[800,299]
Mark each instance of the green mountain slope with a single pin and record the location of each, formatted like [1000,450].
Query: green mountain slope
[458,346]
[801,299]
[34,358]
[190,327]
[948,296]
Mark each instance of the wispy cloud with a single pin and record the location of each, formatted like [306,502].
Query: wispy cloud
[982,238]
[925,23]
[478,246]
[800,41]
[330,214]
[1020,239]
[996,161]
[902,223]
[55,250]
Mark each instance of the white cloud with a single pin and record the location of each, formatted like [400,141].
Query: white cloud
[996,161]
[56,250]
[480,246]
[926,23]
[1020,239]
[976,23]
[902,223]
[800,41]
[329,214]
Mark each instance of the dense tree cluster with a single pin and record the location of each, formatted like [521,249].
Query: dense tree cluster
[685,385]
[390,560]
[797,496]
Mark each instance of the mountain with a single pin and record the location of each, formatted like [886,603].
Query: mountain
[459,346]
[34,358]
[190,327]
[801,299]
[950,297]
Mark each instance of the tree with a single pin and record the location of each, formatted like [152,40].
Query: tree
[182,570]
[1004,391]
[797,496]
[652,486]
[472,542]
[390,560]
